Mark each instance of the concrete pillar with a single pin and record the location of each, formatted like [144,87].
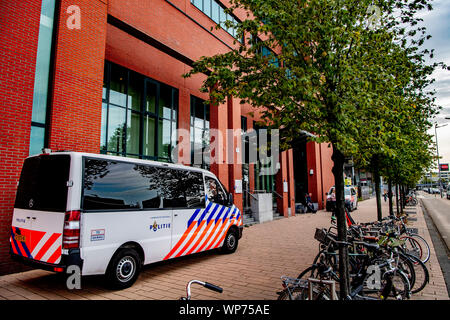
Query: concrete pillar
[76,110]
[291,180]
[314,172]
[218,121]
[282,178]
[234,147]
[184,126]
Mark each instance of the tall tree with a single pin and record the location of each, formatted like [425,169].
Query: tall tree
[318,66]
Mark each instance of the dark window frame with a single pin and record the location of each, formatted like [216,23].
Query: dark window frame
[50,84]
[221,6]
[204,128]
[142,114]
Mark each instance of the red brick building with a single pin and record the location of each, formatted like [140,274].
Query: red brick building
[106,76]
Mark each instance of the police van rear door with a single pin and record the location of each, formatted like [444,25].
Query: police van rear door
[39,209]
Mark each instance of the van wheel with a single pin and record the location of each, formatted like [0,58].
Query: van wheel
[231,242]
[124,269]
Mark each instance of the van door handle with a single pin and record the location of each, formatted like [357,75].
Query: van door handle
[176,215]
[28,217]
[34,218]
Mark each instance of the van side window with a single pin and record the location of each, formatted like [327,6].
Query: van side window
[111,185]
[190,188]
[215,192]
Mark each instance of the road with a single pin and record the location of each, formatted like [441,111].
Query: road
[439,210]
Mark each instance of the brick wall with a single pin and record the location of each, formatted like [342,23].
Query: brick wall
[75,122]
[18,47]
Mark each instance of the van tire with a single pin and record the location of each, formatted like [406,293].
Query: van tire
[123,269]
[230,243]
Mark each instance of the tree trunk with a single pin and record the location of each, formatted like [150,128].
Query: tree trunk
[391,207]
[338,172]
[378,193]
[402,201]
[397,200]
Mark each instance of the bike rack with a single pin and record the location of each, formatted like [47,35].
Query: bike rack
[330,283]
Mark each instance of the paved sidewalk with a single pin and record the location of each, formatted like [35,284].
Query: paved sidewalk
[266,252]
[436,288]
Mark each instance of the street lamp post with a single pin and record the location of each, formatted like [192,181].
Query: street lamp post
[437,150]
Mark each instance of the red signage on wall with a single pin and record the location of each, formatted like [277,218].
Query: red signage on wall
[444,166]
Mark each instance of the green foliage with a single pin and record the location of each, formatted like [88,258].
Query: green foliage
[333,72]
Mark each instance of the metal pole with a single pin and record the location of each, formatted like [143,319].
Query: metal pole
[439,164]
[437,150]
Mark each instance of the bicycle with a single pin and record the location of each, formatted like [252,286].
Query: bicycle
[397,275]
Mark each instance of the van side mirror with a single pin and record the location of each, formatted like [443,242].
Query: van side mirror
[230,199]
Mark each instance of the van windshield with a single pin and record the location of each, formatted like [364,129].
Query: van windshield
[43,183]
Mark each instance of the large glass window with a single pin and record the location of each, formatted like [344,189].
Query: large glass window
[200,138]
[115,185]
[264,172]
[214,10]
[139,115]
[42,76]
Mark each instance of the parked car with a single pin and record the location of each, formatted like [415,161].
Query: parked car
[448,191]
[435,191]
[351,198]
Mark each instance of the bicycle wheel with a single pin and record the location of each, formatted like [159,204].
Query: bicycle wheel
[412,246]
[395,286]
[319,292]
[293,294]
[326,258]
[298,293]
[407,267]
[422,274]
[425,247]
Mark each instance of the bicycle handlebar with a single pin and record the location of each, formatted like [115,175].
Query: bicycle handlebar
[207,285]
[213,287]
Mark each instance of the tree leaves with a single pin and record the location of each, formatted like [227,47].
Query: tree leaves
[362,89]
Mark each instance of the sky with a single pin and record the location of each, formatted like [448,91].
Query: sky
[437,23]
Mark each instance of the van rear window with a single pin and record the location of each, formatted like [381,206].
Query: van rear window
[43,183]
[116,185]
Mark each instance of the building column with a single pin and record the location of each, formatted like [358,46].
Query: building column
[183,151]
[218,124]
[19,21]
[251,166]
[76,109]
[291,180]
[234,147]
[282,179]
[313,167]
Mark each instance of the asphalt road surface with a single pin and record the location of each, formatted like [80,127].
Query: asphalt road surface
[439,210]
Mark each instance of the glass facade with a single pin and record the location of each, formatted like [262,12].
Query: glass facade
[214,10]
[139,115]
[264,173]
[200,133]
[42,75]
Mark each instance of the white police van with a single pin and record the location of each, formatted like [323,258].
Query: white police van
[111,215]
